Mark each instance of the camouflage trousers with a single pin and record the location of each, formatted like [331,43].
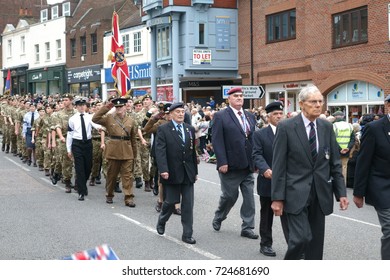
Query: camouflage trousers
[64,165]
[97,158]
[48,158]
[137,162]
[39,152]
[144,152]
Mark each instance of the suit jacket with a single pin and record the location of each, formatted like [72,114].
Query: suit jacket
[231,145]
[262,158]
[294,170]
[116,148]
[372,173]
[172,157]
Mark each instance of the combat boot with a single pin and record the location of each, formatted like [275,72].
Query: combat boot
[7,149]
[54,178]
[138,182]
[117,188]
[68,186]
[147,186]
[92,181]
[3,147]
[47,172]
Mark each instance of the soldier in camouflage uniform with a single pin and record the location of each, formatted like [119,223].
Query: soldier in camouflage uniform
[13,117]
[37,137]
[98,146]
[6,133]
[146,145]
[46,138]
[137,116]
[61,128]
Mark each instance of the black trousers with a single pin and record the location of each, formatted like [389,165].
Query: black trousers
[82,155]
[266,222]
[174,194]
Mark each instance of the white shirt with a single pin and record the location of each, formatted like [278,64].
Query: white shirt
[75,130]
[307,122]
[273,128]
[243,123]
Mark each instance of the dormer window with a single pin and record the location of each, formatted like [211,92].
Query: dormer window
[44,15]
[54,12]
[66,9]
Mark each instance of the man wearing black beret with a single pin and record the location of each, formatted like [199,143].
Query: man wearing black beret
[178,167]
[262,156]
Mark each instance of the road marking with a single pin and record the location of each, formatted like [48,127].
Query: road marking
[18,164]
[177,241]
[355,220]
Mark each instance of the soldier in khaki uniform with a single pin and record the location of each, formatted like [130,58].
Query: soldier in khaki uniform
[120,150]
[46,138]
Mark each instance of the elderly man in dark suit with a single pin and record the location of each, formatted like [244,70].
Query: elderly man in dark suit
[306,174]
[177,163]
[232,143]
[372,174]
[263,140]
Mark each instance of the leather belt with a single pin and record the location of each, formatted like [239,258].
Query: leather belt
[120,137]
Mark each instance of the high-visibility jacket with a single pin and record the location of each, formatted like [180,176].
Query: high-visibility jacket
[343,131]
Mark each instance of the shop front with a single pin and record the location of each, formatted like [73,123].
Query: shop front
[286,91]
[356,98]
[46,81]
[85,81]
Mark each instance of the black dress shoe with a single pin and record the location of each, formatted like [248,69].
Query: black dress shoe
[216,225]
[249,234]
[188,240]
[160,228]
[177,211]
[267,251]
[81,197]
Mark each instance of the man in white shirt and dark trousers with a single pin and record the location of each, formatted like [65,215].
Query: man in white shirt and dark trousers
[79,145]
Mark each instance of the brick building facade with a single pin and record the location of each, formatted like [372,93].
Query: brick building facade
[340,46]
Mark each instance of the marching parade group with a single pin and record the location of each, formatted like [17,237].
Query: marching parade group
[301,161]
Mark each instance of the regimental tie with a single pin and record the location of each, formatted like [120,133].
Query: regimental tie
[32,119]
[245,126]
[180,132]
[83,130]
[313,141]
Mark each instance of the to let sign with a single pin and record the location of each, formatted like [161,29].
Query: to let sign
[201,57]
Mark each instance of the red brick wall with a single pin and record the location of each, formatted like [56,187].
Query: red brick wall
[310,56]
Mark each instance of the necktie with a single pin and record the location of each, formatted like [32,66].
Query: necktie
[244,123]
[32,119]
[313,142]
[83,130]
[180,132]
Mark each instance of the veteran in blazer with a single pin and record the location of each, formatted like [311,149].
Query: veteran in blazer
[372,174]
[233,130]
[120,150]
[177,163]
[263,140]
[306,173]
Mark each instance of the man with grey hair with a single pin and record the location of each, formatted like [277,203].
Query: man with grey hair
[306,173]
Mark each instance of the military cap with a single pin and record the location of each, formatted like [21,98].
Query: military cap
[80,101]
[175,106]
[233,90]
[119,102]
[338,114]
[137,101]
[166,107]
[274,106]
[67,95]
[387,99]
[146,96]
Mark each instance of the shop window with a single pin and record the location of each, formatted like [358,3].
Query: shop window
[350,27]
[281,26]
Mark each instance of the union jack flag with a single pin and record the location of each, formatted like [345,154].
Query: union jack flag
[119,69]
[102,252]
